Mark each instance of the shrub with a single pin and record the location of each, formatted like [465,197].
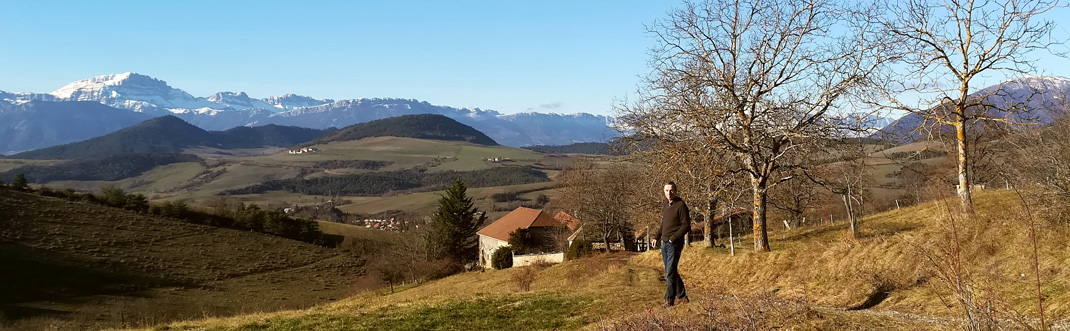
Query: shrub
[522,241]
[502,258]
[20,182]
[112,196]
[45,191]
[505,197]
[578,249]
[436,269]
[524,277]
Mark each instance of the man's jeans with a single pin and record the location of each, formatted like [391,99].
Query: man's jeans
[674,285]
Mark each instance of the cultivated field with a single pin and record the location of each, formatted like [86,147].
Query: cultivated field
[232,169]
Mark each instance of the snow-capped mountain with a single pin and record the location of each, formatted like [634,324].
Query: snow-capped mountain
[239,100]
[135,92]
[291,101]
[513,130]
[21,98]
[1033,99]
[225,110]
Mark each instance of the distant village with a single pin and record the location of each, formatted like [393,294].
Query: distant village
[385,225]
[304,150]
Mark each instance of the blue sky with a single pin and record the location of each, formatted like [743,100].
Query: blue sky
[509,56]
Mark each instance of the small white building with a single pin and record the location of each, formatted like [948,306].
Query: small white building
[304,150]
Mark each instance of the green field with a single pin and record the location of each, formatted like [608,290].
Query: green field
[424,202]
[232,169]
[8,164]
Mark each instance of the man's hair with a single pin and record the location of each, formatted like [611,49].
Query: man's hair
[673,184]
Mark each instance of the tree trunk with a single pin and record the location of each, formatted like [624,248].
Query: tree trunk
[965,197]
[761,236]
[707,233]
[731,236]
[850,214]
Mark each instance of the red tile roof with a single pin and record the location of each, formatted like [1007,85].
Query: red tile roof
[568,220]
[522,217]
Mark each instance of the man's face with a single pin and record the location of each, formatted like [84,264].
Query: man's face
[670,192]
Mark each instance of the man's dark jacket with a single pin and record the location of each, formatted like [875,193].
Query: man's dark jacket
[675,221]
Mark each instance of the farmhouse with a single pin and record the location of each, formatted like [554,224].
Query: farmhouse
[304,150]
[496,234]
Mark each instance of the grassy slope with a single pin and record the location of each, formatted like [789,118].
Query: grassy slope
[8,164]
[818,265]
[158,179]
[84,266]
[898,249]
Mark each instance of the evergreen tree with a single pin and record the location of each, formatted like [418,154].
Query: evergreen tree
[20,182]
[454,226]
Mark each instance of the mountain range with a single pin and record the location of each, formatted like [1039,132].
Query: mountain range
[99,105]
[1040,99]
[140,96]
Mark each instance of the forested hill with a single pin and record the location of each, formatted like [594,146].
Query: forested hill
[169,134]
[422,126]
[268,135]
[576,148]
[379,183]
[106,168]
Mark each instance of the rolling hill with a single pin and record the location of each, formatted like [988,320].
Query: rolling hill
[423,126]
[78,266]
[169,134]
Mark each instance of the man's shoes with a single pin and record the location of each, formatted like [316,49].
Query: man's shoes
[682,300]
[666,304]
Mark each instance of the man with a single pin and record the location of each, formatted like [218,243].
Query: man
[675,224]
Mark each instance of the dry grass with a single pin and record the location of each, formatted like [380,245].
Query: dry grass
[603,291]
[896,254]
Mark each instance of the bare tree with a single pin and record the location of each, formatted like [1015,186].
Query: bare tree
[947,45]
[848,175]
[702,174]
[601,197]
[754,79]
[1040,158]
[796,196]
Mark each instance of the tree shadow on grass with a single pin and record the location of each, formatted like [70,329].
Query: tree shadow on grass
[28,275]
[833,231]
